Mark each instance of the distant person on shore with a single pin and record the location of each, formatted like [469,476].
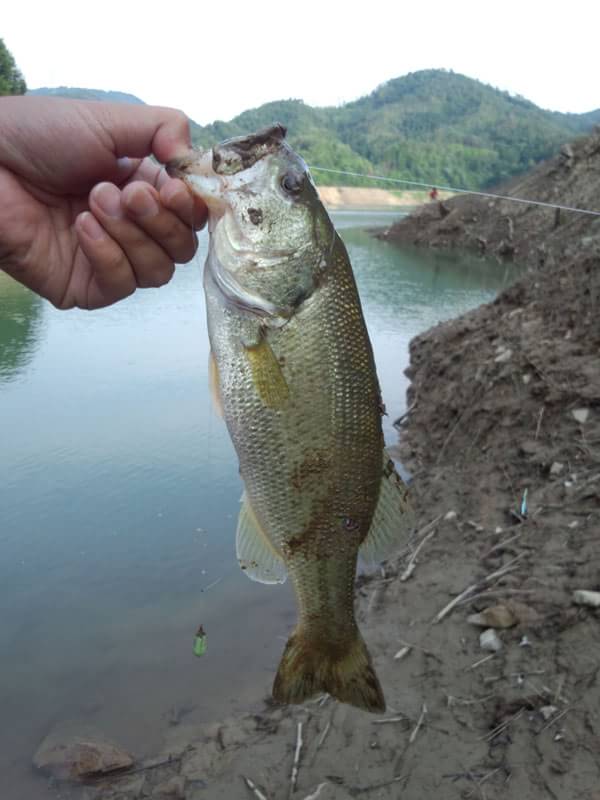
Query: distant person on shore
[433,194]
[86,217]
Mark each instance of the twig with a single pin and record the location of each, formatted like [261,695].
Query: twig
[254,789]
[413,735]
[295,767]
[499,728]
[210,585]
[539,422]
[488,578]
[322,737]
[448,608]
[397,422]
[317,792]
[555,719]
[404,651]
[387,721]
[500,545]
[410,567]
[374,786]
[481,661]
[126,772]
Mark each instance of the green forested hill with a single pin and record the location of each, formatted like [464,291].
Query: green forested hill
[433,126]
[87,94]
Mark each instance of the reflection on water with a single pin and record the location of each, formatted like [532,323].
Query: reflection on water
[118,498]
[20,318]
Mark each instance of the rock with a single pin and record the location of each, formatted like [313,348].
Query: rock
[548,711]
[580,415]
[70,752]
[503,356]
[583,597]
[450,516]
[174,787]
[489,641]
[556,468]
[494,617]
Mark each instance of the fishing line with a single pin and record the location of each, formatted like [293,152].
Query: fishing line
[456,190]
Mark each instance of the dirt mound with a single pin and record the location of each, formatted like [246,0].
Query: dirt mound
[503,438]
[532,235]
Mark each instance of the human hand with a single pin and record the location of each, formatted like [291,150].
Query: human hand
[85,216]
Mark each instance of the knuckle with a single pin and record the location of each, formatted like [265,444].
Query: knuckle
[155,274]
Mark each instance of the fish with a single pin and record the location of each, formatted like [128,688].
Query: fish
[293,372]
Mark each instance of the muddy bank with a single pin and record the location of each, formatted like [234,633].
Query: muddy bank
[531,235]
[503,439]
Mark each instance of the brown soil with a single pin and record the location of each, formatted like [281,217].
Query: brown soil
[495,400]
[532,235]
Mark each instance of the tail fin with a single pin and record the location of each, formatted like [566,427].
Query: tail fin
[308,667]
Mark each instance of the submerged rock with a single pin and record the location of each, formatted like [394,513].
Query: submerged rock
[70,752]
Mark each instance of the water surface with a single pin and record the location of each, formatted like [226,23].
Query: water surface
[119,492]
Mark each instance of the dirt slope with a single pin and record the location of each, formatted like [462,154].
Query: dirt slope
[503,438]
[531,235]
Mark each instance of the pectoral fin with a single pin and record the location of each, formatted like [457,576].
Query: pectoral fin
[256,555]
[213,384]
[393,517]
[267,375]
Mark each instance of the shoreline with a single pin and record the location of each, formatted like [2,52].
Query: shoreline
[501,437]
[336,198]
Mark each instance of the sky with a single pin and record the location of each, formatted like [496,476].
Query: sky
[216,59]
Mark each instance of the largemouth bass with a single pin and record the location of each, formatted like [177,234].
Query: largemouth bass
[293,370]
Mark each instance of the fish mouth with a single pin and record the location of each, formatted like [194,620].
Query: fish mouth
[230,156]
[242,152]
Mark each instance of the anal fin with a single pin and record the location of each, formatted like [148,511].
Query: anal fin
[256,555]
[393,519]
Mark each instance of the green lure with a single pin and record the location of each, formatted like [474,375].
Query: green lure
[200,642]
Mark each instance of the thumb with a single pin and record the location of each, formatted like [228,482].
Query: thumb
[139,131]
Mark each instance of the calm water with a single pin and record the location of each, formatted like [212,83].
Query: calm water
[118,498]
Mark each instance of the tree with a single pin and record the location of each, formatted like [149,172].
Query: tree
[11,79]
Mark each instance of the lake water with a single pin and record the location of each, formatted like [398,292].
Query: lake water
[119,492]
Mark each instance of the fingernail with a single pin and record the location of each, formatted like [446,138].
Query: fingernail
[142,203]
[91,227]
[125,164]
[108,197]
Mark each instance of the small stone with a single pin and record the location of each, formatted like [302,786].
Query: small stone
[524,642]
[503,357]
[498,530]
[71,752]
[174,787]
[494,617]
[573,524]
[489,641]
[526,378]
[548,711]
[556,468]
[580,415]
[450,516]
[583,597]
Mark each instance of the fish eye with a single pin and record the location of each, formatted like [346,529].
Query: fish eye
[292,182]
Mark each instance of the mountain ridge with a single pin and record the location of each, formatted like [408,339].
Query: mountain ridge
[434,126]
